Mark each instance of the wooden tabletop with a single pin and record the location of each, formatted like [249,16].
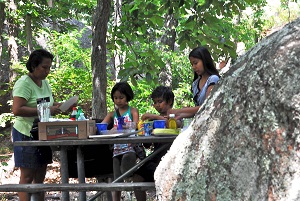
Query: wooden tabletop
[116,140]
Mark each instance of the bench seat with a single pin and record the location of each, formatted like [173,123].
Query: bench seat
[31,188]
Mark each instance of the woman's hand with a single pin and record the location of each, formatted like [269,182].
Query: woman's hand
[54,110]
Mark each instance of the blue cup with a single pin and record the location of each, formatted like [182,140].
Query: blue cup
[101,127]
[121,123]
[148,127]
[159,124]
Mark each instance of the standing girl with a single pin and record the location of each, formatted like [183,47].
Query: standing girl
[124,156]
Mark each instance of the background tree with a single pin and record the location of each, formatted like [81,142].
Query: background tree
[99,58]
[140,38]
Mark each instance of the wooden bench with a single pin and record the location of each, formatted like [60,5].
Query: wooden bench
[31,188]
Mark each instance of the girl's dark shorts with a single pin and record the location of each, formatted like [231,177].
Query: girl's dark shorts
[30,156]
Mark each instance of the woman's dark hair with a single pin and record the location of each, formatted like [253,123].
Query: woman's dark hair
[124,88]
[165,93]
[36,58]
[203,54]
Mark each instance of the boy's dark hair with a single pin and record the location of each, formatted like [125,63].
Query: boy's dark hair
[124,88]
[165,93]
[36,58]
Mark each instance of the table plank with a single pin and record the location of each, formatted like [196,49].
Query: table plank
[146,139]
[31,188]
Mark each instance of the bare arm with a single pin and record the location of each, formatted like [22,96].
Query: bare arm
[135,115]
[186,112]
[208,90]
[20,108]
[109,117]
[149,116]
[189,112]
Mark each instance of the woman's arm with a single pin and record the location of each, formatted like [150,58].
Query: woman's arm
[19,108]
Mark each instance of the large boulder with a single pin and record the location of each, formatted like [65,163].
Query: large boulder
[244,142]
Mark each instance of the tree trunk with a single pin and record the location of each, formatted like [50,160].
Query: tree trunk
[244,142]
[168,40]
[117,58]
[12,34]
[100,21]
[2,18]
[29,33]
[4,67]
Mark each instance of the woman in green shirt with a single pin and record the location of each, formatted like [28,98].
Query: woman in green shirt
[32,161]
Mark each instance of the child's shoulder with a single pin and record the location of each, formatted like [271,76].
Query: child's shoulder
[132,109]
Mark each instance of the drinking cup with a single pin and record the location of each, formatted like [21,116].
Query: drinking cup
[130,126]
[186,123]
[148,127]
[159,124]
[101,128]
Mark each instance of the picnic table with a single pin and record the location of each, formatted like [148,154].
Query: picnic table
[64,144]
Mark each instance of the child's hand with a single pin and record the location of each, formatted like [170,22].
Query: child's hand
[146,116]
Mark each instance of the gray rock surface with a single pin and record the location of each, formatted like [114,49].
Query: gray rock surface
[244,143]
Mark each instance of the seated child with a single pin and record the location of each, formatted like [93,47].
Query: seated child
[163,99]
[124,156]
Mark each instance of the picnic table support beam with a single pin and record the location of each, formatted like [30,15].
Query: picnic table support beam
[64,171]
[81,172]
[133,169]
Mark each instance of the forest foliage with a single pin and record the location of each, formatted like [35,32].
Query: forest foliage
[143,39]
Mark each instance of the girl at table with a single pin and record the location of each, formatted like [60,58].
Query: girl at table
[124,156]
[205,77]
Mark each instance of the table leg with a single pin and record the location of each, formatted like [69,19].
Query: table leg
[64,171]
[81,172]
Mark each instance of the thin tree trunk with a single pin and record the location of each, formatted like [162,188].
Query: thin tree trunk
[12,34]
[28,33]
[168,39]
[117,58]
[2,18]
[98,59]
[54,27]
[4,66]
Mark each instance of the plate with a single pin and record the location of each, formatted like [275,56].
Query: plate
[105,136]
[165,132]
[67,104]
[165,135]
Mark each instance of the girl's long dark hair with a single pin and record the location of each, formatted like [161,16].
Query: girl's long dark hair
[208,63]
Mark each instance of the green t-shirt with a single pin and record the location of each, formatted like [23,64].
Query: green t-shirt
[27,89]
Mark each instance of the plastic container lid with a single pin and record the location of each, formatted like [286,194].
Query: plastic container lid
[171,115]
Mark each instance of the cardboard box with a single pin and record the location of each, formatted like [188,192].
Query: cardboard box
[66,129]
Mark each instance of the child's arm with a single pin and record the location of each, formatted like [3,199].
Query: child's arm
[135,114]
[149,116]
[109,117]
[187,112]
